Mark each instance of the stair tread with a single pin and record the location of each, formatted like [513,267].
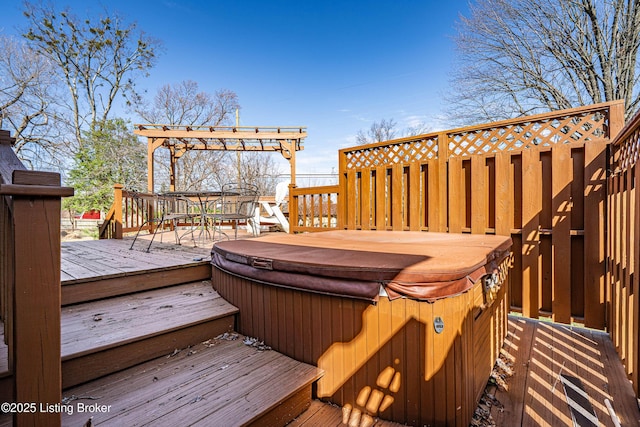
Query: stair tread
[86,261]
[217,382]
[98,325]
[330,415]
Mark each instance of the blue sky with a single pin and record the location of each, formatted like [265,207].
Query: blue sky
[332,66]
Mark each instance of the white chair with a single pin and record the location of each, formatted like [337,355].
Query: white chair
[273,210]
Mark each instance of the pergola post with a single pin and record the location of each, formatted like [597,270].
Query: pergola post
[152,145]
[150,170]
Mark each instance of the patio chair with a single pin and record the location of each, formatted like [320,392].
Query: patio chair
[237,203]
[170,210]
[273,210]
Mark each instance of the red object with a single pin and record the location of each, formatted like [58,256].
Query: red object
[92,214]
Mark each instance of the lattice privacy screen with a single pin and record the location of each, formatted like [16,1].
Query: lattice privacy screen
[542,130]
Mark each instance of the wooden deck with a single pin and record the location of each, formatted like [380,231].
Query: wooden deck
[96,269]
[104,336]
[217,382]
[543,356]
[329,415]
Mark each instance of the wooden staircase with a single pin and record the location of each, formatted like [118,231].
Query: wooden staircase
[144,344]
[112,334]
[151,357]
[219,382]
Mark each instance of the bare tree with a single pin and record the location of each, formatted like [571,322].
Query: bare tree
[383,130]
[96,60]
[28,94]
[517,57]
[416,129]
[386,130]
[261,170]
[185,104]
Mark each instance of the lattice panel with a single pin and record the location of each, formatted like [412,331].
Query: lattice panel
[400,153]
[626,153]
[559,130]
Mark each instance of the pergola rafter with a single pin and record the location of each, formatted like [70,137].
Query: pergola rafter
[179,139]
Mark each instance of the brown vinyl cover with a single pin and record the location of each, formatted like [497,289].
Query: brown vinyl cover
[356,263]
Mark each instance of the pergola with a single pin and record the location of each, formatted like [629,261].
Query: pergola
[179,139]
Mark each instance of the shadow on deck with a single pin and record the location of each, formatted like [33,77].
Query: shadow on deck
[542,355]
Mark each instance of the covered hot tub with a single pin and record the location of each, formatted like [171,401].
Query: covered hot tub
[406,325]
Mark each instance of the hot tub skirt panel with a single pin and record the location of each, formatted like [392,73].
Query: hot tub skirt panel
[419,363]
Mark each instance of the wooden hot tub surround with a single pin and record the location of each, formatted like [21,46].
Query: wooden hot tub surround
[419,361]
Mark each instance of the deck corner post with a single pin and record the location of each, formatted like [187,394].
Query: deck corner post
[117,206]
[37,297]
[441,222]
[293,208]
[616,119]
[341,211]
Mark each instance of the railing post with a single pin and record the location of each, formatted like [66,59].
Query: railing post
[117,206]
[36,224]
[441,222]
[616,119]
[293,208]
[341,208]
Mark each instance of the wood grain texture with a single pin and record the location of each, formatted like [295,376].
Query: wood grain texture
[540,353]
[531,209]
[102,337]
[36,310]
[215,383]
[384,360]
[562,173]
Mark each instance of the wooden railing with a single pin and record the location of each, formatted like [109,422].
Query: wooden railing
[129,213]
[623,248]
[314,209]
[30,283]
[549,200]
[539,179]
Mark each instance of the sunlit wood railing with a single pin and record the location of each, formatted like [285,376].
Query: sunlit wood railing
[30,283]
[314,209]
[539,179]
[131,211]
[623,248]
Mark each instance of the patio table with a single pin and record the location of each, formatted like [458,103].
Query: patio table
[194,199]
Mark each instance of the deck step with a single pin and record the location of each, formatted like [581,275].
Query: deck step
[218,382]
[330,415]
[96,269]
[106,336]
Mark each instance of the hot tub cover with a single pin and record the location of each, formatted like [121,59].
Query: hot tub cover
[357,263]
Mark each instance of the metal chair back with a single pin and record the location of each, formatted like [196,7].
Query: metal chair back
[237,204]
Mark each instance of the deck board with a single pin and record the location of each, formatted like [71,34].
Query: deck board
[89,327]
[541,352]
[329,415]
[89,259]
[220,380]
